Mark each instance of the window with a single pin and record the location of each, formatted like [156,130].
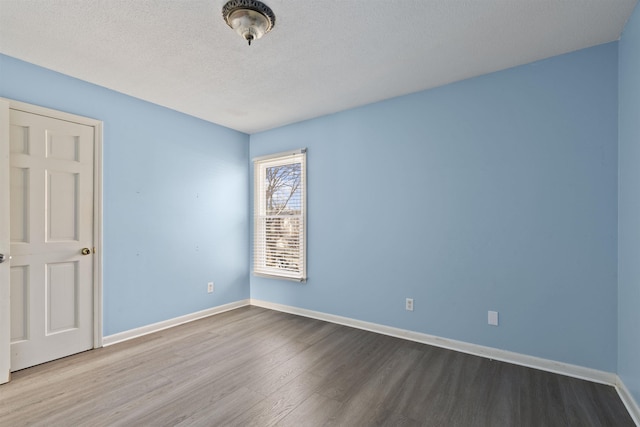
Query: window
[279,234]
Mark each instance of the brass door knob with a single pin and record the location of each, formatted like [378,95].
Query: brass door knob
[86,251]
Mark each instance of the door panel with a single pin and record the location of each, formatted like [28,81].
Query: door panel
[61,193]
[61,296]
[19,141]
[52,203]
[19,196]
[19,298]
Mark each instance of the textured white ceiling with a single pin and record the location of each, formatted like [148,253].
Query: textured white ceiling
[323,56]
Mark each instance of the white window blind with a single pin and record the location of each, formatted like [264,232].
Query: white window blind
[279,236]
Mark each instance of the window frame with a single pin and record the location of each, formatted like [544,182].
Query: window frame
[260,166]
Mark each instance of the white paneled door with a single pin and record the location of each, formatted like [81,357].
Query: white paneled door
[51,178]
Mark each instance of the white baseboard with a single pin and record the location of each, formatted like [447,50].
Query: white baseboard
[165,324]
[629,401]
[562,368]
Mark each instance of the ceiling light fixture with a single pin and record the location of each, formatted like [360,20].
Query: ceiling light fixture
[251,19]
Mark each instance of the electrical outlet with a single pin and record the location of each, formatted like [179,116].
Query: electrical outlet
[408,304]
[210,287]
[493,318]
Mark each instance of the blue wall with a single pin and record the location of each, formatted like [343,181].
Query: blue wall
[494,193]
[629,207]
[175,199]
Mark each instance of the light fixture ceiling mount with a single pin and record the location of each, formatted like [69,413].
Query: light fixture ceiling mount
[251,19]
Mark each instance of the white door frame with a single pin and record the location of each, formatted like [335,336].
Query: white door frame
[5,315]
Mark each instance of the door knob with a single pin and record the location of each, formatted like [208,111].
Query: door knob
[86,251]
[4,258]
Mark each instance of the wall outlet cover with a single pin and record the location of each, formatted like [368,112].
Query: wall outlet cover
[493,318]
[409,304]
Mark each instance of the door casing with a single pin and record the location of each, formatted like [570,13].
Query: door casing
[5,303]
[5,315]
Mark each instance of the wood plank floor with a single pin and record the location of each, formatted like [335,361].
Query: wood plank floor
[257,367]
